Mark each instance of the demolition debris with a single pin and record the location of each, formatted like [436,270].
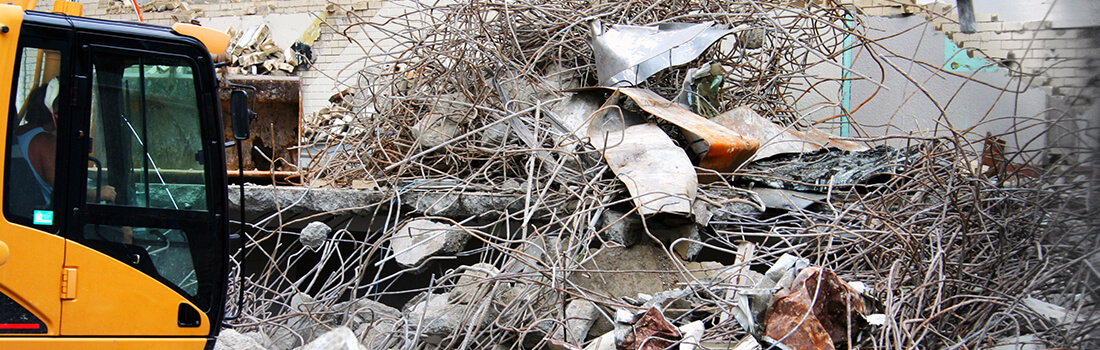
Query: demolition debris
[520,176]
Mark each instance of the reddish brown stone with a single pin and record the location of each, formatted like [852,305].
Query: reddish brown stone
[651,331]
[815,317]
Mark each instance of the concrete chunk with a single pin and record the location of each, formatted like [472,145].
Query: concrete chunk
[421,239]
[340,338]
[314,235]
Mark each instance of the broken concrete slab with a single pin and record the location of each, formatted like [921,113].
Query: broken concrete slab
[656,172]
[341,338]
[474,284]
[436,319]
[624,271]
[462,205]
[434,129]
[579,316]
[304,200]
[618,272]
[299,200]
[417,240]
[297,329]
[363,310]
[622,228]
[379,334]
[230,339]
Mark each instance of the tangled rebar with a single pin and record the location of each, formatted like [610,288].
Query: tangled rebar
[460,100]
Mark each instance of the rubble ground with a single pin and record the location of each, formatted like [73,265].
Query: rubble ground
[487,216]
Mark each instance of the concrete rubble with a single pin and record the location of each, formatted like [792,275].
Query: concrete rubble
[492,186]
[419,240]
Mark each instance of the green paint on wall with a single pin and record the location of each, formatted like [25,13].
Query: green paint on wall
[957,60]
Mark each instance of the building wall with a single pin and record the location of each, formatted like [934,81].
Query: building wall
[921,92]
[1041,45]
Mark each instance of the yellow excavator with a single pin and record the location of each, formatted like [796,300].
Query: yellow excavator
[112,183]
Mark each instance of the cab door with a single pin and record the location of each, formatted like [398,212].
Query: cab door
[31,249]
[146,239]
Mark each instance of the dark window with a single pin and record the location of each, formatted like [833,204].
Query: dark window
[32,141]
[146,192]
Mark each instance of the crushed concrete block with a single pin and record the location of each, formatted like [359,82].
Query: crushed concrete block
[230,339]
[579,316]
[363,311]
[340,338]
[617,272]
[621,228]
[259,337]
[418,240]
[434,130]
[296,329]
[674,302]
[473,284]
[437,318]
[314,235]
[379,334]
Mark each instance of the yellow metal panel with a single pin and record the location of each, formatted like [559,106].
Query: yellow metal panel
[215,40]
[32,274]
[24,4]
[70,8]
[114,299]
[44,343]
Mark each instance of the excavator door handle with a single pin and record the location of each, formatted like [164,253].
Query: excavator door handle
[4,253]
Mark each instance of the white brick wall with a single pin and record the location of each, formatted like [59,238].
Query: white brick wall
[1064,59]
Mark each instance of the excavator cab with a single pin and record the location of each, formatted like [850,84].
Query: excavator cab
[113,183]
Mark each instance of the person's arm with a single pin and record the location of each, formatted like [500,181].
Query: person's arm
[106,193]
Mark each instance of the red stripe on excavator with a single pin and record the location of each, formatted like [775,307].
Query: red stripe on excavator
[20,326]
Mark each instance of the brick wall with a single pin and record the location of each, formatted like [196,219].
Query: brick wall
[1063,61]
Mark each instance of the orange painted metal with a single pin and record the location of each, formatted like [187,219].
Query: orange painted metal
[716,146]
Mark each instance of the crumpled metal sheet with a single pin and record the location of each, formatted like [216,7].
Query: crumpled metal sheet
[628,54]
[816,312]
[717,147]
[657,173]
[775,139]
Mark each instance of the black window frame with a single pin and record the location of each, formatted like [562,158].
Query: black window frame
[43,38]
[209,250]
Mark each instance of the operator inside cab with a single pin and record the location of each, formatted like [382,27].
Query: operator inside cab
[35,153]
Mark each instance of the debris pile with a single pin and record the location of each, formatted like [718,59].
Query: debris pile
[513,192]
[253,51]
[182,10]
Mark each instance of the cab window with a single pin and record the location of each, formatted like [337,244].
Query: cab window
[146,191]
[32,139]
